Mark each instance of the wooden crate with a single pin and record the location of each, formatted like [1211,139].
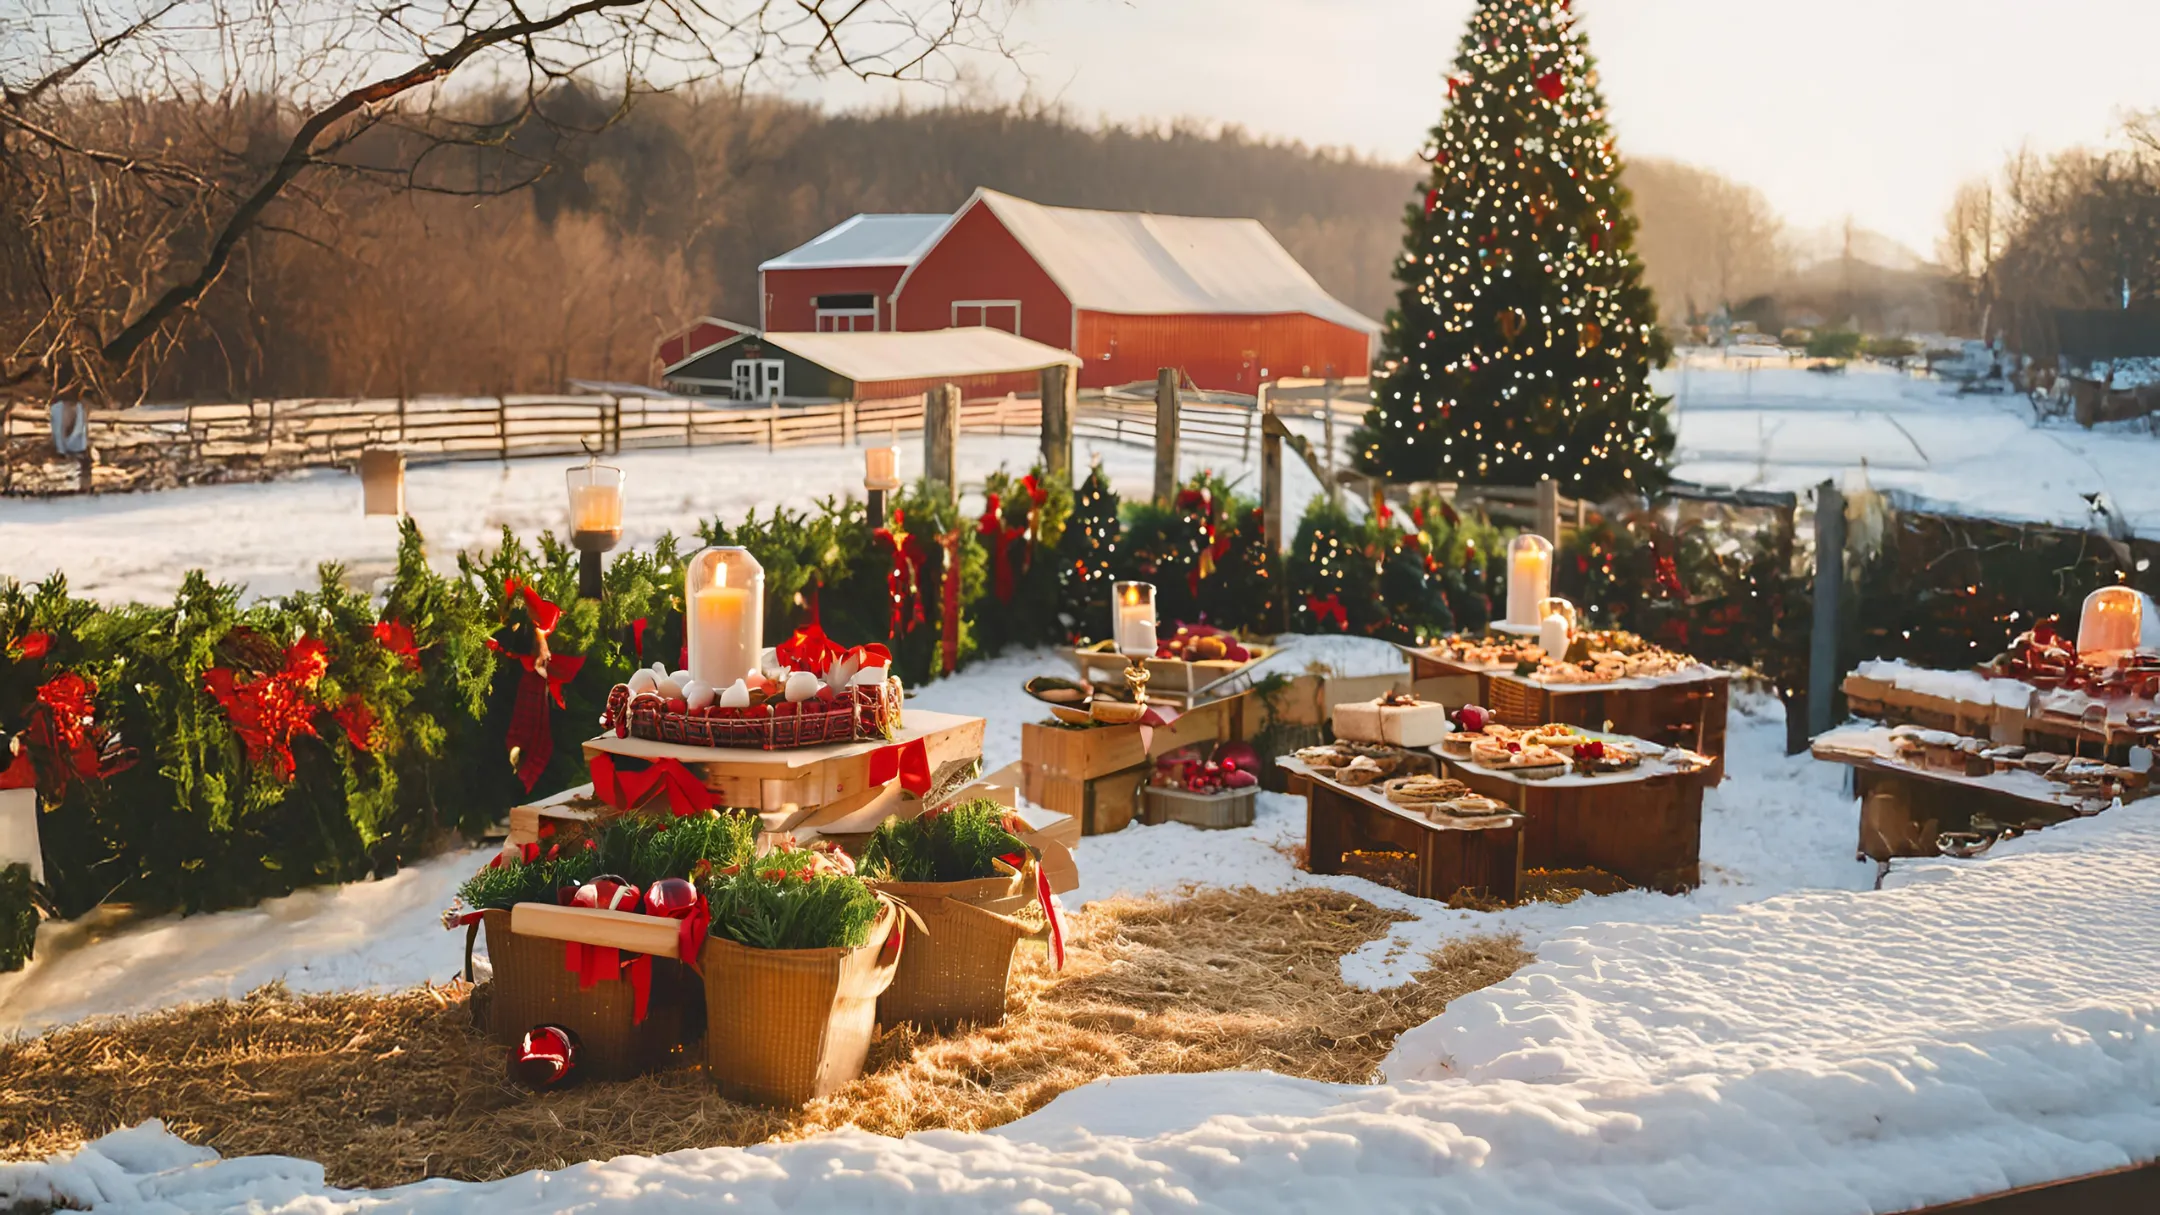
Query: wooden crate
[1081,754]
[807,777]
[1479,858]
[1209,811]
[1103,804]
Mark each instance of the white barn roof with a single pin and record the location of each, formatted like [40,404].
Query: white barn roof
[865,240]
[922,355]
[1140,264]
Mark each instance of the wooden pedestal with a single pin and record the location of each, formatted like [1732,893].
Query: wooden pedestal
[1479,857]
[1644,827]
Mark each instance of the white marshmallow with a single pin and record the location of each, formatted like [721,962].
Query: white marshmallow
[869,676]
[737,696]
[641,680]
[666,687]
[697,693]
[802,685]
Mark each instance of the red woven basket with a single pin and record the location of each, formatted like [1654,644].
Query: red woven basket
[857,713]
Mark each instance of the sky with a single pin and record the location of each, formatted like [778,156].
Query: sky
[1876,109]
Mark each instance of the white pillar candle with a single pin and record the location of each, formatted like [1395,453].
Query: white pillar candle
[1132,618]
[724,609]
[1529,578]
[1553,635]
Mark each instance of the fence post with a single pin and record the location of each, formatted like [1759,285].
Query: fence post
[502,427]
[1271,492]
[941,437]
[1060,398]
[847,423]
[7,446]
[1327,422]
[1166,435]
[1548,510]
[772,425]
[1823,673]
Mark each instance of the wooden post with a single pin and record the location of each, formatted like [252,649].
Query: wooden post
[1060,399]
[1548,510]
[1327,425]
[502,427]
[1823,672]
[847,423]
[772,425]
[1166,436]
[941,437]
[1271,491]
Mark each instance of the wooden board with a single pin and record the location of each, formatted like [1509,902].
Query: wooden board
[656,935]
[1480,857]
[1905,807]
[1102,805]
[807,776]
[1644,827]
[1080,753]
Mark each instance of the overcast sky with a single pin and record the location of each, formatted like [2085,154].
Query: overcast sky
[1873,108]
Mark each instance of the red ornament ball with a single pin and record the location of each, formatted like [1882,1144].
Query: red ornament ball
[671,897]
[545,1057]
[608,893]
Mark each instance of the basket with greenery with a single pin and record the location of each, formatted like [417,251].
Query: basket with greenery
[640,848]
[791,899]
[959,844]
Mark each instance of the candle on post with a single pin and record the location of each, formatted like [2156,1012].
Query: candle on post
[1529,578]
[724,610]
[595,520]
[881,475]
[2112,624]
[1132,631]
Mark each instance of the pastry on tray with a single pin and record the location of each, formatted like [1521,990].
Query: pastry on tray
[1419,791]
[1470,805]
[1321,758]
[1492,753]
[1538,762]
[1597,755]
[1363,770]
[1458,744]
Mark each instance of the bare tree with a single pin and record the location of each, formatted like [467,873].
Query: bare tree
[144,145]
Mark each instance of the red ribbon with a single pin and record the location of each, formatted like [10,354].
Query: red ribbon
[637,637]
[910,761]
[529,733]
[1000,538]
[949,612]
[31,645]
[626,783]
[1052,915]
[903,581]
[357,720]
[397,637]
[1550,85]
[596,963]
[268,713]
[690,934]
[1327,609]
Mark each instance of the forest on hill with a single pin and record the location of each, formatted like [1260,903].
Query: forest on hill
[635,221]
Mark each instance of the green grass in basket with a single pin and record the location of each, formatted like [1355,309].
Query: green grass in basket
[955,845]
[646,848]
[501,886]
[770,904]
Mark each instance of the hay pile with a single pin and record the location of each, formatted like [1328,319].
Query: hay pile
[390,1089]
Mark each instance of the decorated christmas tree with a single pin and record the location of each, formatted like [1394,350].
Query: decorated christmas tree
[1088,556]
[1523,337]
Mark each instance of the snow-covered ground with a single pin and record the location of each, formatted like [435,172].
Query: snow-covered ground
[1977,1026]
[1776,825]
[1785,428]
[1773,427]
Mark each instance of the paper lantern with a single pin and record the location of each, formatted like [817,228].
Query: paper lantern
[724,606]
[1529,579]
[2112,624]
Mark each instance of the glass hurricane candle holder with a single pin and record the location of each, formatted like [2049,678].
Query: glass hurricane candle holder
[1132,618]
[881,475]
[2112,624]
[595,520]
[724,614]
[1557,621]
[1529,578]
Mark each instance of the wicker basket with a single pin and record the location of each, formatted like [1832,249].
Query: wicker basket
[858,713]
[1208,811]
[532,987]
[784,1027]
[956,968]
[1519,703]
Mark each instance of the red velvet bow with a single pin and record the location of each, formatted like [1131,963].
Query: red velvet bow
[1550,85]
[949,585]
[903,580]
[1000,539]
[626,784]
[1327,609]
[529,735]
[31,645]
[545,615]
[910,761]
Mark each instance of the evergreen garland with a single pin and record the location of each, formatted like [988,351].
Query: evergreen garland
[959,844]
[1089,554]
[1333,578]
[1523,337]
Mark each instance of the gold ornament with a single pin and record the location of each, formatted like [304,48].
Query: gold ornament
[1591,335]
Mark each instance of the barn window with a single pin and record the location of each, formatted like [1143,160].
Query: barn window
[759,379]
[992,314]
[852,313]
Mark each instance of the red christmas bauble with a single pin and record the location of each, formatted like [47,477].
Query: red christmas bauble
[545,1056]
[671,897]
[608,893]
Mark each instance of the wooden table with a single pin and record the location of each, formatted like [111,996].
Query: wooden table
[1905,807]
[1687,709]
[1483,856]
[1644,825]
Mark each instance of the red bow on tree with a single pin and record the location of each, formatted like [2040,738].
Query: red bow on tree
[31,645]
[396,637]
[531,742]
[991,527]
[1327,609]
[269,712]
[903,580]
[62,741]
[1551,85]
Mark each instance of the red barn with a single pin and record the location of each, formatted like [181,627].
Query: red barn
[1130,293]
[843,281]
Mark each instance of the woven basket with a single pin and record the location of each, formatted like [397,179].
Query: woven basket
[956,969]
[1519,704]
[860,712]
[532,987]
[784,1027]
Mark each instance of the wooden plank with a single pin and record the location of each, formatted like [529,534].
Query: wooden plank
[2131,1190]
[806,776]
[649,934]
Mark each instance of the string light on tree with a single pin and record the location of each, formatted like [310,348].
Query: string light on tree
[1523,338]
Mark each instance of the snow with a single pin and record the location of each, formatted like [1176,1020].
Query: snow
[1970,687]
[1974,1027]
[1781,428]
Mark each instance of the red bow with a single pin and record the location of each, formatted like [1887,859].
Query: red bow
[268,713]
[357,720]
[1000,540]
[594,963]
[545,615]
[396,637]
[627,784]
[949,611]
[1432,199]
[1327,609]
[529,736]
[1550,85]
[31,645]
[690,934]
[910,761]
[903,581]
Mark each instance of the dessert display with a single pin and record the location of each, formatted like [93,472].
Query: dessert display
[1946,751]
[807,691]
[1591,656]
[1439,798]
[1398,719]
